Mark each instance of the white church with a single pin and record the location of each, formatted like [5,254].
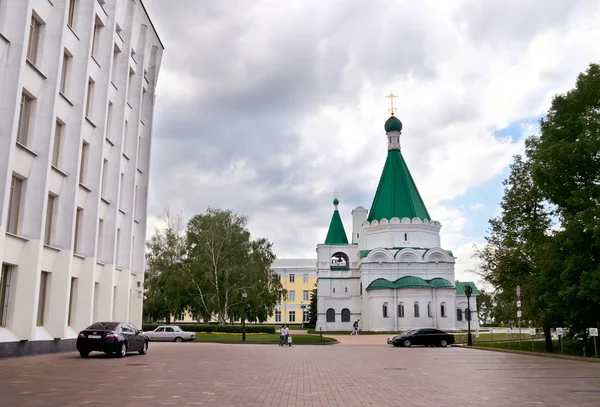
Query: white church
[394,274]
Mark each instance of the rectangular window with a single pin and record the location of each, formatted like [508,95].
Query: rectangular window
[139,146]
[24,117]
[125,137]
[292,278]
[305,295]
[115,65]
[34,40]
[82,165]
[58,132]
[14,205]
[135,201]
[72,299]
[292,295]
[49,219]
[95,38]
[305,278]
[103,182]
[71,16]
[118,248]
[99,253]
[305,316]
[277,315]
[90,98]
[4,293]
[122,191]
[292,315]
[63,74]
[78,220]
[109,120]
[42,298]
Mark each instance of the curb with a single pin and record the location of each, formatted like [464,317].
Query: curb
[540,354]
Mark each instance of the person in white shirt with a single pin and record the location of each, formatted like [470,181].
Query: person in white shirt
[288,338]
[282,337]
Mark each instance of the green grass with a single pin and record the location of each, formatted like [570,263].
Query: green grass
[497,337]
[538,347]
[265,338]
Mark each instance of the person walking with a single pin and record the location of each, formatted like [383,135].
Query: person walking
[287,336]
[354,328]
[282,335]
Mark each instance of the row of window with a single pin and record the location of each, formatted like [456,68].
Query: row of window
[292,278]
[291,316]
[292,295]
[330,315]
[416,310]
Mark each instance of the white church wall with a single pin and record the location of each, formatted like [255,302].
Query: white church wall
[461,303]
[401,233]
[359,216]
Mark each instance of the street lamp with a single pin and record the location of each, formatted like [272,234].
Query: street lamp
[302,306]
[468,291]
[245,296]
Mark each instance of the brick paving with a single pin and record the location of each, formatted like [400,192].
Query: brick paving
[200,374]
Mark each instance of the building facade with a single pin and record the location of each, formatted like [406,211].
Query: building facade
[77,86]
[393,275]
[299,278]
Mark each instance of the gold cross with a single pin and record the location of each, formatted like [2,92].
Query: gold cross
[391,97]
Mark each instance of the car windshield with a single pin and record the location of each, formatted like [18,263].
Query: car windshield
[103,326]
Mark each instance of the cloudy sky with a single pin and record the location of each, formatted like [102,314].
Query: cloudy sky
[267,107]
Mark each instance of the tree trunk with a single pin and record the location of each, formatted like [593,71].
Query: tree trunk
[548,338]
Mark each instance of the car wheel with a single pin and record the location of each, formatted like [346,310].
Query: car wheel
[443,343]
[144,348]
[407,343]
[84,354]
[179,339]
[122,350]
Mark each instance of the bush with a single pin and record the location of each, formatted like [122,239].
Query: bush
[230,329]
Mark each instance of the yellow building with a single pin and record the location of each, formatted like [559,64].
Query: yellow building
[299,278]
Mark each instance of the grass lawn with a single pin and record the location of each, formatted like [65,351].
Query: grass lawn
[486,337]
[538,346]
[263,338]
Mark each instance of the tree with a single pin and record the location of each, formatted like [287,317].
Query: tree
[312,309]
[164,267]
[223,262]
[485,307]
[566,169]
[518,241]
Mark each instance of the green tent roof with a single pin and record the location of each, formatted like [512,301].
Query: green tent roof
[460,287]
[397,195]
[336,233]
[409,282]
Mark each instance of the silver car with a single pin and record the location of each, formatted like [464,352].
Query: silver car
[170,334]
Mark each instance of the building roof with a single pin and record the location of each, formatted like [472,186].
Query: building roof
[336,233]
[397,195]
[409,282]
[393,124]
[460,287]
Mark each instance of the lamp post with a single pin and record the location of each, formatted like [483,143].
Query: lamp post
[468,291]
[245,296]
[302,306]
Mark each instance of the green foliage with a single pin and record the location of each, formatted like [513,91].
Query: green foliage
[267,329]
[558,268]
[312,309]
[485,307]
[206,268]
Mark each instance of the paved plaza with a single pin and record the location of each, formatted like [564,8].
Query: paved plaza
[356,373]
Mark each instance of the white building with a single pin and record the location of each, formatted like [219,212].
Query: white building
[394,274]
[77,80]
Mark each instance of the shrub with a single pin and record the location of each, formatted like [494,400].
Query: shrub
[266,329]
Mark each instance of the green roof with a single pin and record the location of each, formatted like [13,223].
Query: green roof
[397,195]
[460,287]
[409,282]
[393,124]
[336,233]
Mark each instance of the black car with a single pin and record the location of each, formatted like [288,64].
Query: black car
[423,336]
[112,337]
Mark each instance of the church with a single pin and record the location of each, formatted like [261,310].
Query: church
[394,274]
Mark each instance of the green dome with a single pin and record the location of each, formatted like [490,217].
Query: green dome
[336,201]
[393,124]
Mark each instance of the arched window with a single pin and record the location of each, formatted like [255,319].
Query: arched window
[334,290]
[330,315]
[385,309]
[443,310]
[401,310]
[459,314]
[361,288]
[417,315]
[346,289]
[429,309]
[345,315]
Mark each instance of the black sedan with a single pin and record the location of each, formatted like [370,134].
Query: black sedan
[423,336]
[112,338]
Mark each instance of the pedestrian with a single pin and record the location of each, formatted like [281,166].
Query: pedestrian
[282,335]
[357,326]
[354,328]
[287,336]
[289,339]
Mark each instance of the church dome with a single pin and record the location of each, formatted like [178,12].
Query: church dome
[393,124]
